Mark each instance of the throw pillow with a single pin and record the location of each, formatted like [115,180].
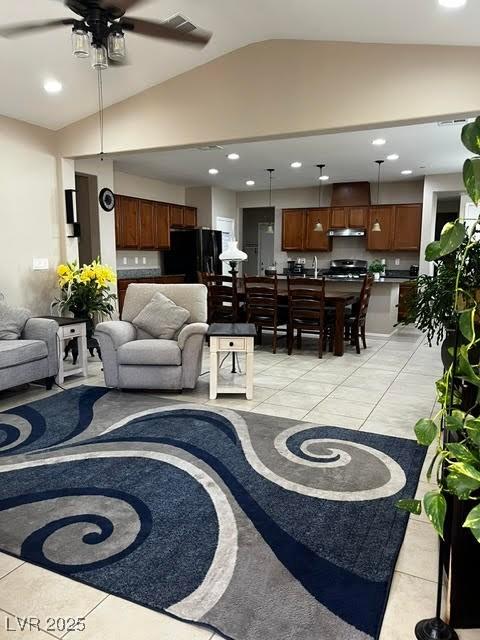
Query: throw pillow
[12,322]
[161,317]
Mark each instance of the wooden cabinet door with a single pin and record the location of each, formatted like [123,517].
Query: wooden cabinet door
[189,217]
[317,240]
[406,290]
[380,240]
[128,212]
[122,292]
[293,229]
[358,217]
[146,225]
[162,222]
[119,241]
[176,215]
[408,227]
[339,218]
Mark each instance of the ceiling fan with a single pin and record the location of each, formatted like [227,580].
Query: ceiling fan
[102,26]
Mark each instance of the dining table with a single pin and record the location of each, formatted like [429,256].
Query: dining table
[334,299]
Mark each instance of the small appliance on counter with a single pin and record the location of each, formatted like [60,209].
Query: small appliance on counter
[296,267]
[271,271]
[414,270]
[346,269]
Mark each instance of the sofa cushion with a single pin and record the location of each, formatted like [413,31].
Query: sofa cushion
[161,317]
[16,352]
[150,352]
[12,321]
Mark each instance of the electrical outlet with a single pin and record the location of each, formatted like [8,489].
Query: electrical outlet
[125,261]
[144,260]
[397,262]
[136,259]
[40,264]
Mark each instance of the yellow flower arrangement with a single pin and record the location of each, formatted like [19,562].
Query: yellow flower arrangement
[86,290]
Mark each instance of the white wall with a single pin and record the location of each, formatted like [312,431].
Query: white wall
[29,215]
[224,205]
[390,193]
[139,187]
[445,183]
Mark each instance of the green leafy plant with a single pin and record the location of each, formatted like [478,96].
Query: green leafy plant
[451,297]
[376,266]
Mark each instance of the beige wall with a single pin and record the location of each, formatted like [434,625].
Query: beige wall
[29,219]
[129,185]
[201,197]
[285,88]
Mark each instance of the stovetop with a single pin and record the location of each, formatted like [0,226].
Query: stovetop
[344,276]
[346,269]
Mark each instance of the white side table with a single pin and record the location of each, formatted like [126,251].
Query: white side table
[235,338]
[68,329]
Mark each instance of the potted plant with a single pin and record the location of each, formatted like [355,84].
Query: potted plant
[377,268]
[447,304]
[85,293]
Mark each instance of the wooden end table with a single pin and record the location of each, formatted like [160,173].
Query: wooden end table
[70,329]
[234,338]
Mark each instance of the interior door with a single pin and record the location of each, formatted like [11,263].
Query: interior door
[227,228]
[266,250]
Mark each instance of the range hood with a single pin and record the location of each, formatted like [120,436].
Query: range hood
[346,233]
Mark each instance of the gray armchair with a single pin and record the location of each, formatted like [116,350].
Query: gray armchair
[32,357]
[133,359]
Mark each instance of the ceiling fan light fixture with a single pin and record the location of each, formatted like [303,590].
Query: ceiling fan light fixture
[100,58]
[116,46]
[80,42]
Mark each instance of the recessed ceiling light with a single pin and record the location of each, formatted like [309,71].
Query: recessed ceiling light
[379,142]
[233,156]
[250,183]
[52,86]
[296,165]
[324,178]
[213,172]
[407,172]
[393,156]
[452,4]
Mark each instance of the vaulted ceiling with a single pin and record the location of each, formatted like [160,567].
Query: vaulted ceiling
[28,62]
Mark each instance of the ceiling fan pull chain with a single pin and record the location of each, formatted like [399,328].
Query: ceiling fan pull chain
[100,109]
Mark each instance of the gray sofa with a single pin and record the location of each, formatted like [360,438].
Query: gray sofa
[32,357]
[133,359]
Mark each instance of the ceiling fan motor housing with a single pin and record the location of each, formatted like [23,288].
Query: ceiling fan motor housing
[97,18]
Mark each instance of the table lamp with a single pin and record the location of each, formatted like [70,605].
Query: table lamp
[233,256]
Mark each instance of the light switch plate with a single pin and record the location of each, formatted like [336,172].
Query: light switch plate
[136,259]
[40,264]
[125,260]
[144,260]
[397,262]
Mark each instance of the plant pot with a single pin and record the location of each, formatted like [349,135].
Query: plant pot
[376,275]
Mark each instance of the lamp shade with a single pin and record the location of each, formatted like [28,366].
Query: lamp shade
[233,253]
[376,227]
[318,228]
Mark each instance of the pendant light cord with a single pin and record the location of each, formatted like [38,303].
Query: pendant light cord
[100,109]
[379,162]
[270,171]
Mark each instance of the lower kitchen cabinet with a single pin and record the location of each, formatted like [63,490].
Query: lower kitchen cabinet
[406,290]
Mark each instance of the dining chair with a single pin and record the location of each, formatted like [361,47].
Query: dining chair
[222,298]
[355,326]
[306,311]
[262,308]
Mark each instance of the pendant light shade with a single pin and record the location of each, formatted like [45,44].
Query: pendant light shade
[270,229]
[116,46]
[80,42]
[100,58]
[318,228]
[376,227]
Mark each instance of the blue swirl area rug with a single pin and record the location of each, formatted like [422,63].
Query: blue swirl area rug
[255,526]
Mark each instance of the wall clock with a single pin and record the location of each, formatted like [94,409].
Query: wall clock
[107,199]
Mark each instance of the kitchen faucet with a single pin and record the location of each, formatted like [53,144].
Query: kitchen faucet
[315,267]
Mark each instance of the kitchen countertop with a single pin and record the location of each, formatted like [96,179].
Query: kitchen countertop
[135,274]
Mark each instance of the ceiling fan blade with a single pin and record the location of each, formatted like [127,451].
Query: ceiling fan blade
[161,30]
[123,5]
[30,27]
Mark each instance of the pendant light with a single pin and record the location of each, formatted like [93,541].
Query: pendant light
[318,228]
[270,229]
[376,227]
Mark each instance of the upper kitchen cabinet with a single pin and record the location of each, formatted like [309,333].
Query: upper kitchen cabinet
[126,223]
[408,227]
[339,218]
[380,240]
[293,230]
[317,240]
[176,216]
[147,231]
[162,225]
[349,217]
[189,217]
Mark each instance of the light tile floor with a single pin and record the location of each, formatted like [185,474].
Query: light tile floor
[384,390]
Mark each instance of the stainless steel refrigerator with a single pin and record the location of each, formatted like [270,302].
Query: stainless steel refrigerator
[193,250]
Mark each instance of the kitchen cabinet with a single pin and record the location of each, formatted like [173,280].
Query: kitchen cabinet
[147,232]
[406,290]
[358,217]
[380,240]
[145,224]
[126,210]
[293,230]
[317,240]
[339,219]
[162,225]
[408,227]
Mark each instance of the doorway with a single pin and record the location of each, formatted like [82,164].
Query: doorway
[258,239]
[266,250]
[86,187]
